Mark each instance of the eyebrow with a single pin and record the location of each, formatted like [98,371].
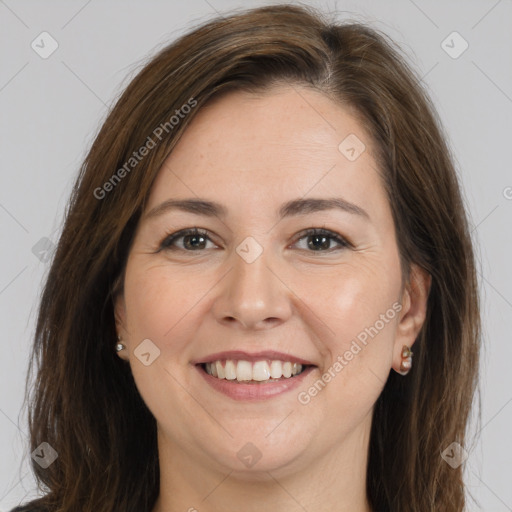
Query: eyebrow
[288,209]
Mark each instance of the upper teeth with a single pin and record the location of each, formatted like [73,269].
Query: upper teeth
[245,370]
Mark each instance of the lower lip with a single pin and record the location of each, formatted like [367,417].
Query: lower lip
[256,391]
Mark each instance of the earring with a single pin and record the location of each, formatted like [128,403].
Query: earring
[119,346]
[406,363]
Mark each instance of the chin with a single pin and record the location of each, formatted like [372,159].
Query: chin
[252,454]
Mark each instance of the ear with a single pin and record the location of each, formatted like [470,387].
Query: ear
[120,318]
[414,309]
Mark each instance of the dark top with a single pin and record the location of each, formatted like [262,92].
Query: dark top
[27,508]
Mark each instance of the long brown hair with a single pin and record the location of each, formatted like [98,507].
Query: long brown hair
[84,401]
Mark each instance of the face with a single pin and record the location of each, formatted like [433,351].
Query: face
[254,295]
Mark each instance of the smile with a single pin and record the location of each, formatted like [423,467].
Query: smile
[256,372]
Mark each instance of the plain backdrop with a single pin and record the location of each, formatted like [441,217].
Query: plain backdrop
[52,107]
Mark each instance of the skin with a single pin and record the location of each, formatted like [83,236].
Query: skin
[252,153]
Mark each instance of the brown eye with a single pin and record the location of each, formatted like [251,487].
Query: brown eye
[193,240]
[319,240]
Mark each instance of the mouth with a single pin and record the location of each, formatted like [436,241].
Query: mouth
[260,379]
[253,372]
[244,376]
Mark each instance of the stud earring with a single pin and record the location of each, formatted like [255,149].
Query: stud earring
[119,346]
[406,363]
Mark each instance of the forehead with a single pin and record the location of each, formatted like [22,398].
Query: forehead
[285,143]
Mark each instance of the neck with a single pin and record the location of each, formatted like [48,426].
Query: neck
[332,481]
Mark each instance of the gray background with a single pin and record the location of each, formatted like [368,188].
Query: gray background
[51,108]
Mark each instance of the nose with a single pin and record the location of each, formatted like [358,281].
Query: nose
[252,296]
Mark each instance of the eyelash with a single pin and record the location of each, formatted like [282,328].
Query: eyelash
[167,242]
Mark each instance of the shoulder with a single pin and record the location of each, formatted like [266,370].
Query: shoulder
[36,505]
[28,508]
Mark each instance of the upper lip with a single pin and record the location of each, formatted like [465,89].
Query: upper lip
[252,356]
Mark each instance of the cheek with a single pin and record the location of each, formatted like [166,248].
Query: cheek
[353,300]
[365,309]
[357,364]
[160,307]
[360,307]
[159,303]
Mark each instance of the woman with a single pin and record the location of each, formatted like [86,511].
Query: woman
[265,230]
